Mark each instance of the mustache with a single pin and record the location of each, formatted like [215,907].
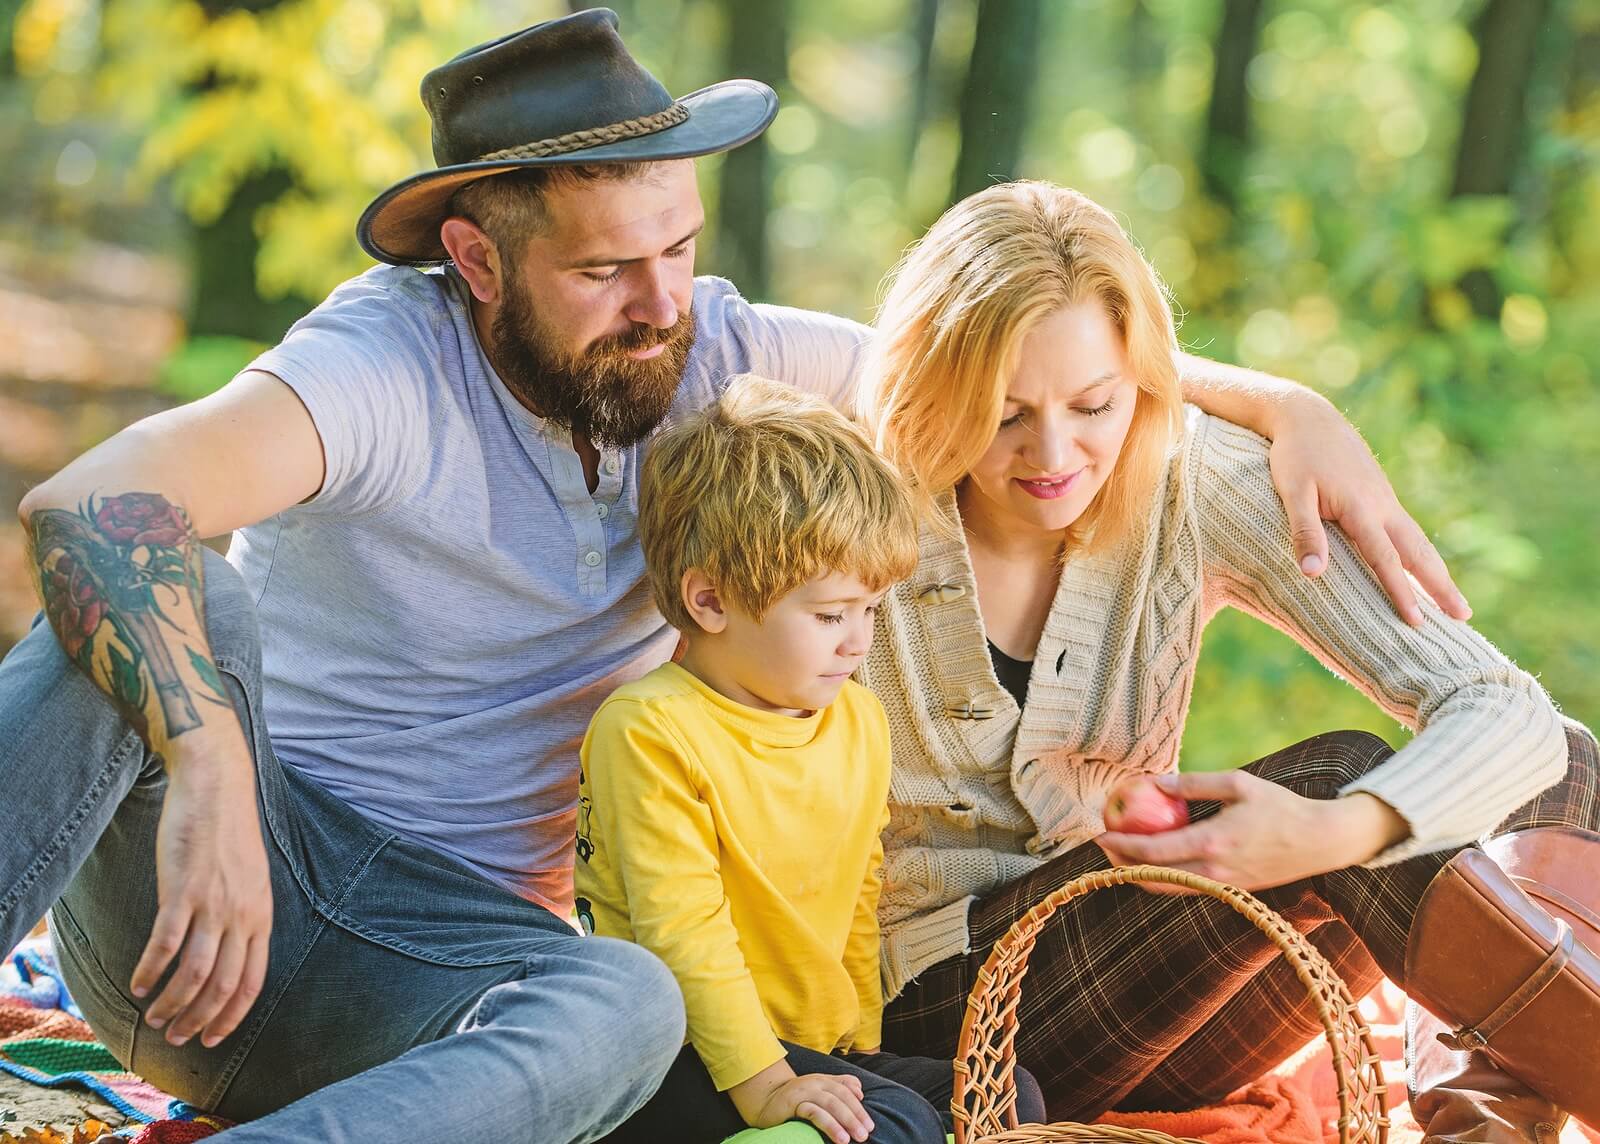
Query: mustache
[641,337]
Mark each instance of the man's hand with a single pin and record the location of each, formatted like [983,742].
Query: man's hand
[1324,471]
[215,894]
[830,1104]
[1265,835]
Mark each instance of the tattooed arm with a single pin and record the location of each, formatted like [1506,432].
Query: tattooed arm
[116,560]
[120,579]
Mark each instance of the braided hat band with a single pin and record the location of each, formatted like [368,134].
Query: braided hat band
[593,136]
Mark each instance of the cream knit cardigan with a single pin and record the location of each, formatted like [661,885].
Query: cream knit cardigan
[983,792]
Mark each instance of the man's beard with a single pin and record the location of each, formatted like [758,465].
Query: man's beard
[600,392]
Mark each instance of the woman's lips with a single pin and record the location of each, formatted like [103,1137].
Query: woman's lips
[1049,488]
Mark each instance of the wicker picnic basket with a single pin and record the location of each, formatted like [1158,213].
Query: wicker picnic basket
[984,1106]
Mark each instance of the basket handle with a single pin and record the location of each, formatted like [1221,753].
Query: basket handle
[985,1098]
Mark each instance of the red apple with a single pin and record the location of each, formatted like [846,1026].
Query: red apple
[1137,805]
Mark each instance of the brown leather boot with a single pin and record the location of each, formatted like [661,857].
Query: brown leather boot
[1505,950]
[1462,1098]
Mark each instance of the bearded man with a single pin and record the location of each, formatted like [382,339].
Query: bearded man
[305,818]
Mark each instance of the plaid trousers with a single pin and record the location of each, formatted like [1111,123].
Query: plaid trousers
[1138,1001]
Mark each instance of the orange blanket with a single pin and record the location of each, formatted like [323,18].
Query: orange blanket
[1297,1103]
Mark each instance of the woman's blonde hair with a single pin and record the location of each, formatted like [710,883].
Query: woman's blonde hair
[764,490]
[951,328]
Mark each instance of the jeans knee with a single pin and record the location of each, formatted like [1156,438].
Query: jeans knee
[637,982]
[231,625]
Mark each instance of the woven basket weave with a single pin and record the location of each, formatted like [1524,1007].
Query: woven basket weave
[984,1106]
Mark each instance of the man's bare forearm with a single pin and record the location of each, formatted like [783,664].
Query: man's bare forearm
[1246,397]
[121,582]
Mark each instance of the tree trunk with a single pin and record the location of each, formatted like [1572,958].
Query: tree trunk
[927,23]
[8,55]
[223,297]
[1583,78]
[1570,216]
[1494,121]
[1227,142]
[998,94]
[757,47]
[1145,60]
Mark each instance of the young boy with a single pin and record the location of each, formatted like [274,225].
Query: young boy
[731,802]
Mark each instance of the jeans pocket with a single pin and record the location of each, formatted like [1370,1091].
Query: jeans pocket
[112,1015]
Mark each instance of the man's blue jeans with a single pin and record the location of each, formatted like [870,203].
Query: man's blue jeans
[403,988]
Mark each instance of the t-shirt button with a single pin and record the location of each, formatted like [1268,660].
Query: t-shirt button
[602,510]
[591,558]
[610,466]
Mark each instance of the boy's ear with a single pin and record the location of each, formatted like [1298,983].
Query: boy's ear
[702,600]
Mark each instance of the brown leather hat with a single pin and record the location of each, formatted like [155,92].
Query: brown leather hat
[562,92]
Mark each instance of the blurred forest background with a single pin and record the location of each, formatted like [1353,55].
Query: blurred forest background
[1397,203]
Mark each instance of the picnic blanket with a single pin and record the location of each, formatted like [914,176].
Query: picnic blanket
[44,1040]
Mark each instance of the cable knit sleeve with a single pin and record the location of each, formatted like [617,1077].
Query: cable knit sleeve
[1488,737]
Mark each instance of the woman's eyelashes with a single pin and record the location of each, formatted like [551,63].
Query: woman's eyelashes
[1097,411]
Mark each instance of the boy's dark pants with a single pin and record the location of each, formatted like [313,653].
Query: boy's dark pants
[908,1099]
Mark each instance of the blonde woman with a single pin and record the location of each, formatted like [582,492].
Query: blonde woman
[1082,526]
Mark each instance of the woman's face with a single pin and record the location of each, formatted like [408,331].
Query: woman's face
[1066,416]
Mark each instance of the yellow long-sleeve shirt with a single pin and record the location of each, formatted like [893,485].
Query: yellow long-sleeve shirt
[742,848]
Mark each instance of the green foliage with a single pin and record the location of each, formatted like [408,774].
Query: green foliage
[324,89]
[1341,271]
[202,364]
[1461,235]
[1341,268]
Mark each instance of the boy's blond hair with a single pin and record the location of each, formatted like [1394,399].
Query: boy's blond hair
[764,490]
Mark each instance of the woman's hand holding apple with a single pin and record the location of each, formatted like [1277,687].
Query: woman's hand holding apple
[1265,835]
[1138,805]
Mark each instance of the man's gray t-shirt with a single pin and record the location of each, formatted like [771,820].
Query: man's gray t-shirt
[441,620]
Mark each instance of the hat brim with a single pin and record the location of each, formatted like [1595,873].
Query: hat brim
[401,226]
